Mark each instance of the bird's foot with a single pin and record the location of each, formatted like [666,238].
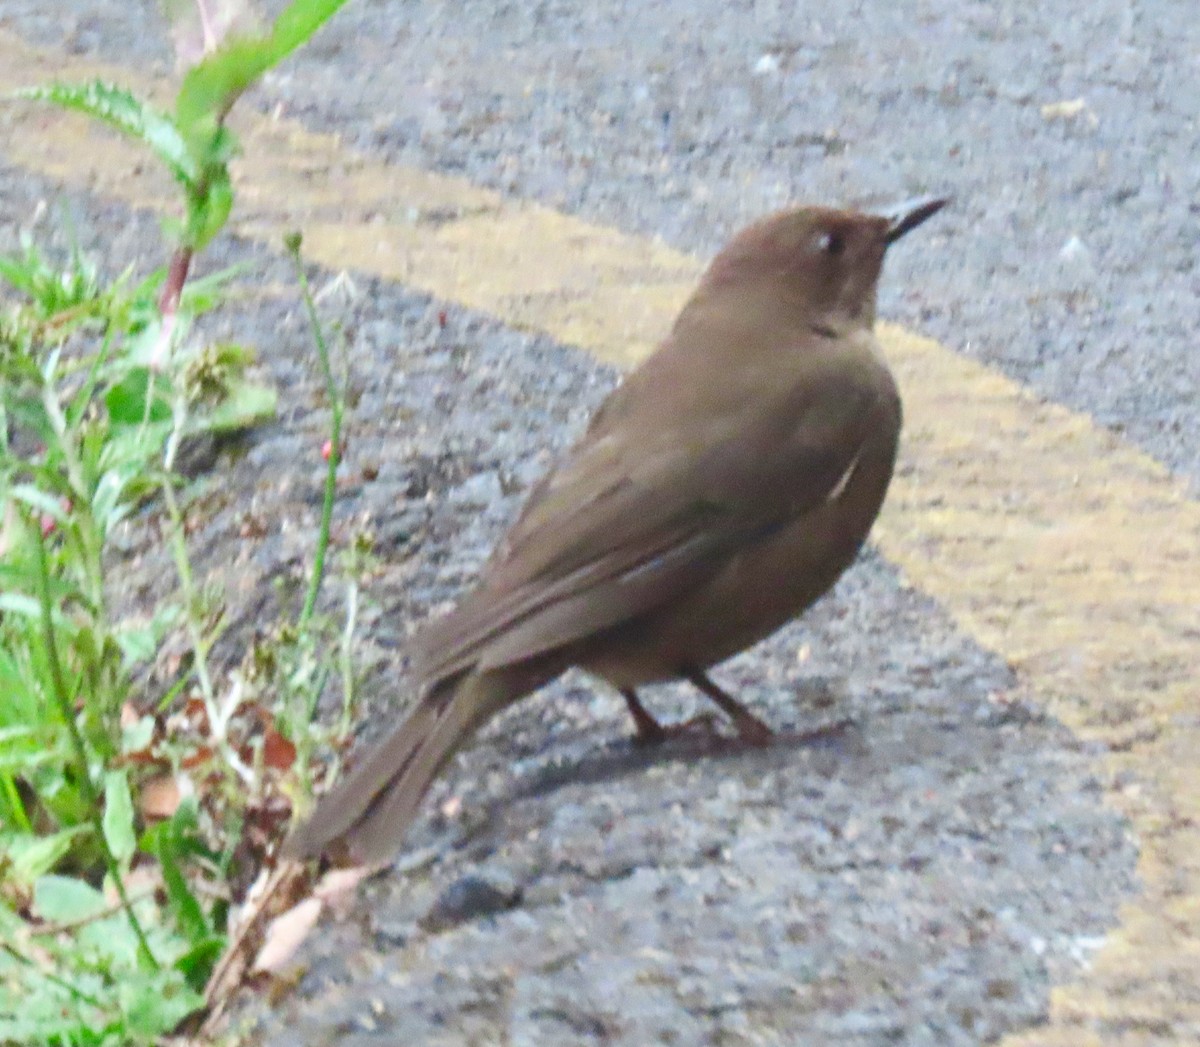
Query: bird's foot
[706,727]
[651,733]
[751,730]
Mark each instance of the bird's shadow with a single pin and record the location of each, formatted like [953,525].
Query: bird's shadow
[620,758]
[623,757]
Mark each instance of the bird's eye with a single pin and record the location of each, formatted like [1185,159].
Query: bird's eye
[830,243]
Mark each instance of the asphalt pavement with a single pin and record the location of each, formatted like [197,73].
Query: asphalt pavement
[925,878]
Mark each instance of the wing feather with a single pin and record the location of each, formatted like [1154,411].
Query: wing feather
[624,525]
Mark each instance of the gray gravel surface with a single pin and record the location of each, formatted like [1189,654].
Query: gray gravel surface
[925,875]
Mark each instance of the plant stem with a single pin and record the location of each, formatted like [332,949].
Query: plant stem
[187,582]
[345,654]
[335,436]
[91,543]
[217,719]
[102,701]
[63,701]
[177,273]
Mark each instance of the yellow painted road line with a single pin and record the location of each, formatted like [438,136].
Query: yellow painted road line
[1054,544]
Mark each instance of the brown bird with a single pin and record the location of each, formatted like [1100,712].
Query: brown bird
[716,494]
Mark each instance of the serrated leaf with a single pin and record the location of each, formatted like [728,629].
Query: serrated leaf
[121,109]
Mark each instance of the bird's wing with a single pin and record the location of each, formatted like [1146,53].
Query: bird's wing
[623,526]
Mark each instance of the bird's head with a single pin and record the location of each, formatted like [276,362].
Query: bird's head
[822,263]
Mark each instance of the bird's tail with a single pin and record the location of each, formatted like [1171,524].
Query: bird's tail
[365,816]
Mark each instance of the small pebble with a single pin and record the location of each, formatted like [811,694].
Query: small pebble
[472,897]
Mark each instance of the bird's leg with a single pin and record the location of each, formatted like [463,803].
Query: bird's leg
[649,730]
[749,727]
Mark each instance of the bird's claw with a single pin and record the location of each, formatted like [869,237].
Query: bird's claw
[704,725]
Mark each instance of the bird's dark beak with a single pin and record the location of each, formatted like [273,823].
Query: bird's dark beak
[910,214]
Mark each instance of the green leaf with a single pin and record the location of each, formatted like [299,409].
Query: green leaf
[198,962]
[49,288]
[204,293]
[28,412]
[208,212]
[214,84]
[19,683]
[40,500]
[128,450]
[64,899]
[137,736]
[17,273]
[31,856]
[155,1006]
[118,816]
[36,742]
[119,108]
[13,578]
[247,405]
[298,21]
[126,401]
[19,603]
[142,346]
[137,643]
[170,842]
[109,504]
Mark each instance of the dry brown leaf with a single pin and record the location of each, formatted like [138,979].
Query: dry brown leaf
[159,797]
[278,752]
[273,890]
[284,936]
[337,888]
[197,757]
